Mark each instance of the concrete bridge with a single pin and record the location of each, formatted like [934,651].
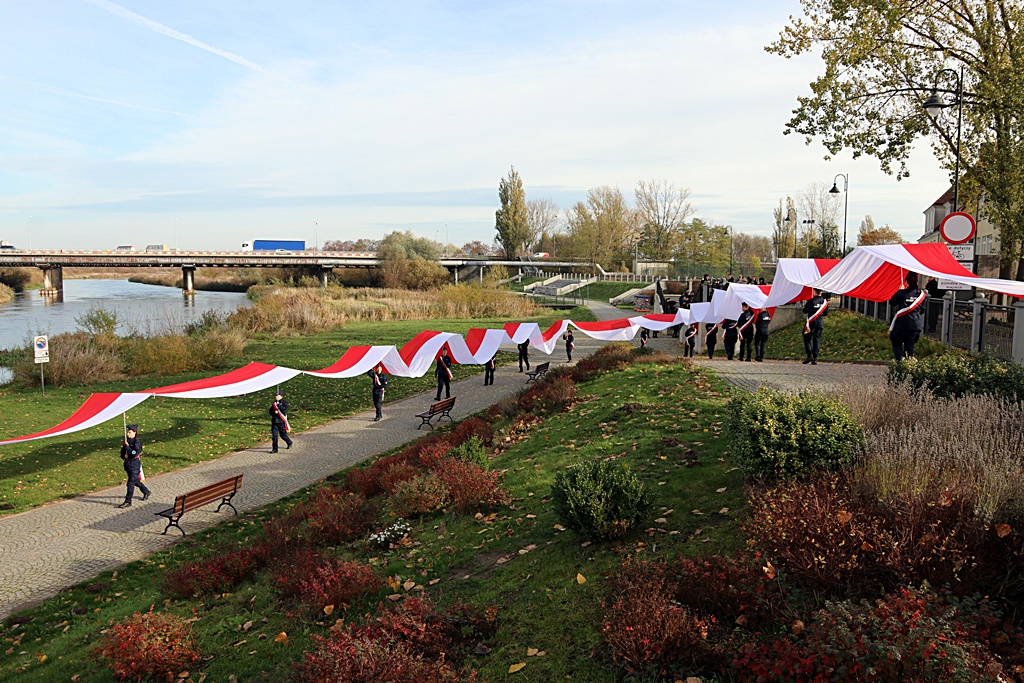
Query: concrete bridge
[52,263]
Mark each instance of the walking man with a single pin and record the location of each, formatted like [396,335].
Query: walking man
[644,336]
[380,383]
[710,338]
[131,451]
[489,371]
[279,426]
[730,337]
[524,355]
[761,322]
[905,329]
[444,374]
[815,309]
[690,342]
[745,326]
[569,344]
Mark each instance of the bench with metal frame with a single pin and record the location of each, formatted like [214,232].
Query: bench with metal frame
[541,370]
[441,409]
[223,491]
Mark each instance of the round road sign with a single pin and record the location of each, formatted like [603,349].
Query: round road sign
[958,227]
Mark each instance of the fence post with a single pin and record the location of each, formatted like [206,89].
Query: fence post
[977,323]
[1018,332]
[947,318]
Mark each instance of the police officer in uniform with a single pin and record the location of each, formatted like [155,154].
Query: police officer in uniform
[905,329]
[524,354]
[444,374]
[730,337]
[131,450]
[746,331]
[710,338]
[761,322]
[569,344]
[380,383]
[815,309]
[279,423]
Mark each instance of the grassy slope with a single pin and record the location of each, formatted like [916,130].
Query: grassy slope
[847,336]
[602,291]
[543,605]
[178,433]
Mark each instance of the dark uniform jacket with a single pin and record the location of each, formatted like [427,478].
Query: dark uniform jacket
[744,317]
[132,449]
[382,378]
[711,337]
[730,329]
[811,307]
[764,318]
[911,322]
[444,366]
[276,419]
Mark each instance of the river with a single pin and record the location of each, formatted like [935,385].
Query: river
[140,308]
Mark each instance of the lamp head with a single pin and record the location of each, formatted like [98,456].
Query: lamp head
[834,190]
[934,104]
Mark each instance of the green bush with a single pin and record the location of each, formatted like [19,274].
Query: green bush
[472,451]
[951,376]
[777,434]
[600,500]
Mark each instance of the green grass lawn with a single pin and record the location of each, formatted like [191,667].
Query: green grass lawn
[602,291]
[177,433]
[848,336]
[543,604]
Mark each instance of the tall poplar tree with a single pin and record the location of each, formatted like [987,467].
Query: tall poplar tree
[512,221]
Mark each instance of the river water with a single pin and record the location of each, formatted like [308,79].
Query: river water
[140,308]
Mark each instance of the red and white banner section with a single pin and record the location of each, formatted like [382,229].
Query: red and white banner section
[478,346]
[245,380]
[97,409]
[622,329]
[359,360]
[792,277]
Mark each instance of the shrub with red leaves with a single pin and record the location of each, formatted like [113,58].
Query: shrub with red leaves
[467,429]
[649,633]
[736,591]
[410,643]
[220,573]
[429,455]
[155,645]
[334,516]
[470,486]
[547,397]
[315,581]
[421,495]
[395,475]
[363,481]
[914,635]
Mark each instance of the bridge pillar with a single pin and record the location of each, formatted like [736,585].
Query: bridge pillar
[188,280]
[324,272]
[53,281]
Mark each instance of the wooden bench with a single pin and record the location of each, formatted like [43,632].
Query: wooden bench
[541,370]
[223,491]
[442,408]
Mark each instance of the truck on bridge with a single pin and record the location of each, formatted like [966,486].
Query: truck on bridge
[274,245]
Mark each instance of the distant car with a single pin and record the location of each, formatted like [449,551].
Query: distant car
[157,247]
[125,247]
[281,251]
[541,254]
[8,247]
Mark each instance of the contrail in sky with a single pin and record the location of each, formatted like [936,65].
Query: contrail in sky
[170,32]
[69,93]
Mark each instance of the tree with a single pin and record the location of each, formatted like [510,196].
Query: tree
[821,238]
[362,244]
[663,210]
[881,60]
[603,229]
[746,247]
[410,262]
[542,217]
[869,234]
[704,244]
[784,232]
[475,248]
[511,221]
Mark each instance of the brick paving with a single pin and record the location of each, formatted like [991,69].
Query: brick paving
[47,549]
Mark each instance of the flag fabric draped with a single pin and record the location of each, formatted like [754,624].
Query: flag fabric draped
[874,273]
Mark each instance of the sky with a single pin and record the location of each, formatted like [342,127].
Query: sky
[202,125]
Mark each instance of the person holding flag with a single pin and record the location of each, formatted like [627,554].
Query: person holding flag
[815,309]
[761,322]
[730,337]
[690,341]
[644,336]
[905,329]
[745,327]
[443,371]
[489,371]
[524,356]
[569,344]
[380,383]
[131,452]
[279,422]
[710,338]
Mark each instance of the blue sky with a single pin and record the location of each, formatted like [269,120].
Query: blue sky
[202,124]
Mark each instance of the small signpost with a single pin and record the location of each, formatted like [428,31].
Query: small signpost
[958,230]
[41,347]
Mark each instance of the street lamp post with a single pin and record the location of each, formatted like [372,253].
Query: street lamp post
[846,200]
[446,240]
[175,234]
[316,237]
[30,233]
[934,106]
[729,229]
[807,243]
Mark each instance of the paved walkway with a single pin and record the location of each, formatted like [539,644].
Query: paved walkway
[792,375]
[45,550]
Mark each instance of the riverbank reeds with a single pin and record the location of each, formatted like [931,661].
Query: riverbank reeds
[310,309]
[6,293]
